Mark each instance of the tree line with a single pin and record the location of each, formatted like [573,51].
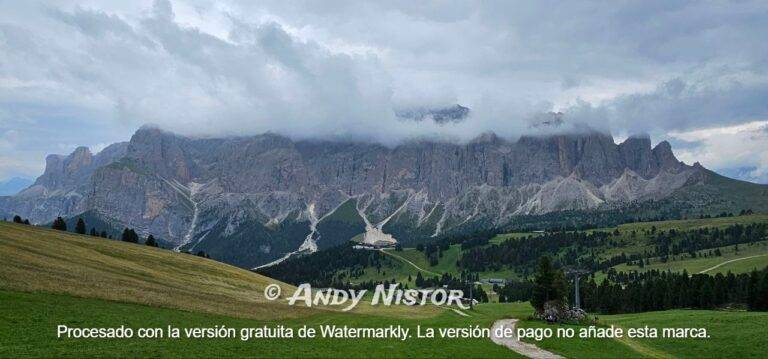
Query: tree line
[514,291]
[526,251]
[579,248]
[661,290]
[128,234]
[462,282]
[19,220]
[635,292]
[433,249]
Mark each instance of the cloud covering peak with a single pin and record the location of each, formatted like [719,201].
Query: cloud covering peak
[84,72]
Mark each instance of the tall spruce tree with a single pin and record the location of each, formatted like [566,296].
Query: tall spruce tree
[762,301]
[151,241]
[549,285]
[129,235]
[59,224]
[80,226]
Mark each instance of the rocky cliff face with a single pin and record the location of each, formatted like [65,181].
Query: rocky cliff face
[252,200]
[64,186]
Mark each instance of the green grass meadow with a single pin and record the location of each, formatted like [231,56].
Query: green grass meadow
[50,278]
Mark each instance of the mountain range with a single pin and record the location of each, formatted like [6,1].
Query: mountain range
[254,200]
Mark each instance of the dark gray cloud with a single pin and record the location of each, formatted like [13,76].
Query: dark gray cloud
[96,70]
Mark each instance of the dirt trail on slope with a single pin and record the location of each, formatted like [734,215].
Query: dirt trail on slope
[409,262]
[463,314]
[731,261]
[525,349]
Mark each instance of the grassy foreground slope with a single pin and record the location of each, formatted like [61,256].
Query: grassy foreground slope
[731,334]
[29,320]
[45,277]
[38,259]
[27,329]
[51,277]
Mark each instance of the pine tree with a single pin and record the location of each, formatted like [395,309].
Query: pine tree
[151,241]
[762,297]
[59,224]
[549,285]
[753,290]
[129,235]
[93,232]
[17,219]
[706,295]
[80,226]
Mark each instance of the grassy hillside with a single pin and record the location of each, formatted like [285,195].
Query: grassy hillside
[694,223]
[731,335]
[27,329]
[340,226]
[715,193]
[630,238]
[37,259]
[43,260]
[49,278]
[745,259]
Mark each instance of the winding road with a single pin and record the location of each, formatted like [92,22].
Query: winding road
[525,349]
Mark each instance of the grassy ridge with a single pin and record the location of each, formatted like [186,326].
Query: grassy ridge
[748,257]
[640,244]
[38,259]
[694,223]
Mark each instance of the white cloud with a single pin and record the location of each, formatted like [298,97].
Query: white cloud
[90,72]
[742,148]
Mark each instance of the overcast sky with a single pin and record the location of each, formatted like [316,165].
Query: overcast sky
[91,72]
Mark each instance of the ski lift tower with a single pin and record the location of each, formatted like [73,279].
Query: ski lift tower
[471,297]
[576,274]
